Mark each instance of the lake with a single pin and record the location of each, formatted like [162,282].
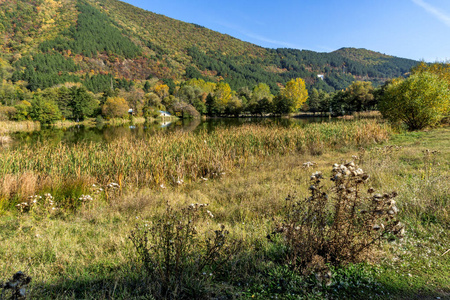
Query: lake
[107,133]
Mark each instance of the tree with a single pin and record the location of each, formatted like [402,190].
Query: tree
[262,91]
[83,103]
[44,111]
[135,98]
[360,96]
[421,100]
[283,105]
[324,102]
[440,69]
[162,90]
[223,93]
[146,87]
[22,110]
[313,101]
[234,106]
[115,107]
[295,93]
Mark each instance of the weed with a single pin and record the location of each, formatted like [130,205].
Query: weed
[175,258]
[340,226]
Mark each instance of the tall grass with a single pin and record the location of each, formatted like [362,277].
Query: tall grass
[13,126]
[166,159]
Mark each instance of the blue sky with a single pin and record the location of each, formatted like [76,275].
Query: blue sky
[416,29]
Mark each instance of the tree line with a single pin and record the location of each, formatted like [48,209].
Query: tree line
[418,101]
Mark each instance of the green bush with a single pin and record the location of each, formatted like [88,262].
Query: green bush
[420,101]
[46,112]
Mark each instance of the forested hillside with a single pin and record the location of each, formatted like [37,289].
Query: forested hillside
[49,42]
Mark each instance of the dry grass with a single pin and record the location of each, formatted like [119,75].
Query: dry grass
[5,139]
[172,159]
[14,126]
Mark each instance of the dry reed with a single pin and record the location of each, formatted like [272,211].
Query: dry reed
[14,126]
[172,159]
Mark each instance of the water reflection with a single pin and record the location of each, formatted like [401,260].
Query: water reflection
[106,133]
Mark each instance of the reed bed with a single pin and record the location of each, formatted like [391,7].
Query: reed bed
[124,121]
[14,126]
[166,159]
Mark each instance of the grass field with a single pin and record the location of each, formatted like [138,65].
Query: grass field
[87,253]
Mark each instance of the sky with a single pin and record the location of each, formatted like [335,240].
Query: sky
[415,29]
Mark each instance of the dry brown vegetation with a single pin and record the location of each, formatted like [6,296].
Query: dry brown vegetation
[167,159]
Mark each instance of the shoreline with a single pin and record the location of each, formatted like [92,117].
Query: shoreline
[10,127]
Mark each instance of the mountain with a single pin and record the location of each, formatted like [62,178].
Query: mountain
[48,42]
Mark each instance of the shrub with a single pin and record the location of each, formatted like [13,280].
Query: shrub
[7,113]
[420,101]
[340,226]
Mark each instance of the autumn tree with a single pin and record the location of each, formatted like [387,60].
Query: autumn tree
[217,103]
[295,94]
[115,107]
[193,95]
[234,106]
[223,93]
[135,98]
[206,87]
[419,101]
[162,90]
[442,70]
[261,91]
[360,96]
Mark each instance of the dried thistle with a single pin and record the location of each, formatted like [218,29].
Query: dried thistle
[341,224]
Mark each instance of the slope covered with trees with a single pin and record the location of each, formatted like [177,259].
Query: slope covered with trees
[112,37]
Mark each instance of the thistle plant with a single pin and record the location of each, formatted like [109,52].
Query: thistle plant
[175,256]
[339,225]
[39,206]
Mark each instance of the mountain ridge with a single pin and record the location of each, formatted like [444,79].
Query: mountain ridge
[130,43]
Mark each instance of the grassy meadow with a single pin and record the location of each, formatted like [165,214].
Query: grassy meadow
[91,239]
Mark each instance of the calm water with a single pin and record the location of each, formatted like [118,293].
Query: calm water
[105,133]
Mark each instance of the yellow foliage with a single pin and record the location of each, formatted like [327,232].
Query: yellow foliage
[162,90]
[115,107]
[295,91]
[223,93]
[440,69]
[206,87]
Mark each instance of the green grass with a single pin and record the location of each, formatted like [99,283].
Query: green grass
[87,253]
